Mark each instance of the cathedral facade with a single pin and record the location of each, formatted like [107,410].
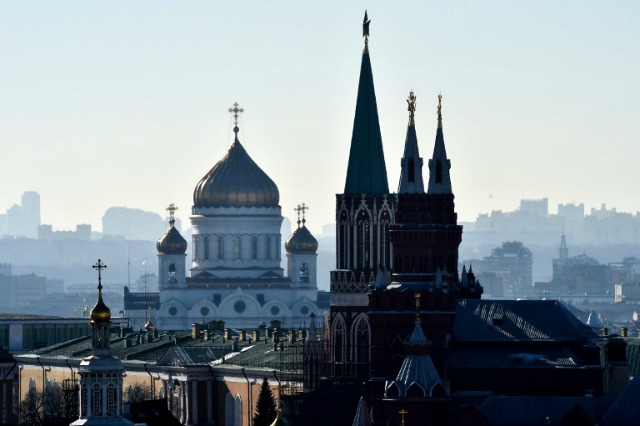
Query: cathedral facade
[235,274]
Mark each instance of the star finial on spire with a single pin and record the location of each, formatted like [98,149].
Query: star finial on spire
[236,113]
[172,209]
[99,266]
[365,27]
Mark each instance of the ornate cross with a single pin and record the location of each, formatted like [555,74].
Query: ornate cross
[99,266]
[402,413]
[440,106]
[171,209]
[301,209]
[236,113]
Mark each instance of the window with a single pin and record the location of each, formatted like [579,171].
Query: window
[195,247]
[240,306]
[221,248]
[268,248]
[206,247]
[83,401]
[96,400]
[172,273]
[237,411]
[236,248]
[363,238]
[438,171]
[254,247]
[412,175]
[304,273]
[111,400]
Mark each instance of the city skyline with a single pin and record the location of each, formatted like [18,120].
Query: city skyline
[126,105]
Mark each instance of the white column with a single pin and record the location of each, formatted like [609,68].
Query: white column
[210,402]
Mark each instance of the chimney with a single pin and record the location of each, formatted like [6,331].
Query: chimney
[227,334]
[243,335]
[256,335]
[195,331]
[624,332]
[604,331]
[292,336]
[207,335]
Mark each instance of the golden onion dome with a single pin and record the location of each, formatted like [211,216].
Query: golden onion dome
[236,181]
[301,242]
[149,326]
[100,313]
[172,242]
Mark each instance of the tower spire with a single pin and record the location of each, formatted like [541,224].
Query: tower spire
[439,165]
[411,174]
[366,173]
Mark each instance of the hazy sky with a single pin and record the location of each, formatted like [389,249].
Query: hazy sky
[124,103]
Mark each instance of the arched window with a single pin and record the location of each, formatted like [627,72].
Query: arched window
[206,247]
[412,175]
[228,410]
[220,247]
[363,242]
[237,411]
[96,400]
[172,273]
[360,344]
[254,247]
[112,405]
[268,248]
[438,171]
[83,400]
[304,273]
[195,247]
[236,248]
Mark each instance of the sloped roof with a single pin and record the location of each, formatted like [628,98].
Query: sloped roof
[512,320]
[535,411]
[625,410]
[512,356]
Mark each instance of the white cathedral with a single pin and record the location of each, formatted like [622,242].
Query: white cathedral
[235,273]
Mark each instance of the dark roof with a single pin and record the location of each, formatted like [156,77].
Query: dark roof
[633,356]
[153,412]
[625,410]
[513,320]
[262,355]
[193,355]
[367,172]
[535,411]
[512,356]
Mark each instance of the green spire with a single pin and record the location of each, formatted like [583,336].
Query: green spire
[366,173]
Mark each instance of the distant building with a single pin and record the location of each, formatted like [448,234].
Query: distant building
[20,291]
[509,268]
[133,224]
[22,220]
[82,232]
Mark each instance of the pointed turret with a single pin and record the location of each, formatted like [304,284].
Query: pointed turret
[411,163]
[563,251]
[366,173]
[439,165]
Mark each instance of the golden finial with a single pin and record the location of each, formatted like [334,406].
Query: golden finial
[301,209]
[440,107]
[172,210]
[411,107]
[402,413]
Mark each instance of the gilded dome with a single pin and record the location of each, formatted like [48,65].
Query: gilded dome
[172,242]
[100,313]
[236,181]
[301,241]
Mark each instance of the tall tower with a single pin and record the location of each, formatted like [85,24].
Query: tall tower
[426,236]
[364,213]
[101,373]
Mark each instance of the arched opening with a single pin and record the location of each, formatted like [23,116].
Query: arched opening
[236,248]
[172,273]
[254,248]
[220,248]
[96,400]
[415,391]
[268,248]
[438,171]
[228,410]
[206,248]
[237,411]
[304,273]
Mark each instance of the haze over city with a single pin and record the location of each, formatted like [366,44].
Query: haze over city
[126,103]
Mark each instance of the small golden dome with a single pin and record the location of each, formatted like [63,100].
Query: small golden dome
[100,312]
[171,242]
[149,326]
[301,241]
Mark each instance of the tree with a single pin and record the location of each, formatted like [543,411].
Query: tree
[266,410]
[44,408]
[137,392]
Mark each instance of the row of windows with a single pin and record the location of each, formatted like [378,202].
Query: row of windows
[236,251]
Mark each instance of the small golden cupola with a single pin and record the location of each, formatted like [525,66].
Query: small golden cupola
[301,241]
[100,313]
[172,242]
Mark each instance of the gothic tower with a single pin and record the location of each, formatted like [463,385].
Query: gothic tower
[364,213]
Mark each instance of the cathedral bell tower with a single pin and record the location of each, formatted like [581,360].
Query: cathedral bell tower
[364,212]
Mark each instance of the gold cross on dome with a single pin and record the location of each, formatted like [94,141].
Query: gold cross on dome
[301,209]
[172,209]
[235,111]
[99,266]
